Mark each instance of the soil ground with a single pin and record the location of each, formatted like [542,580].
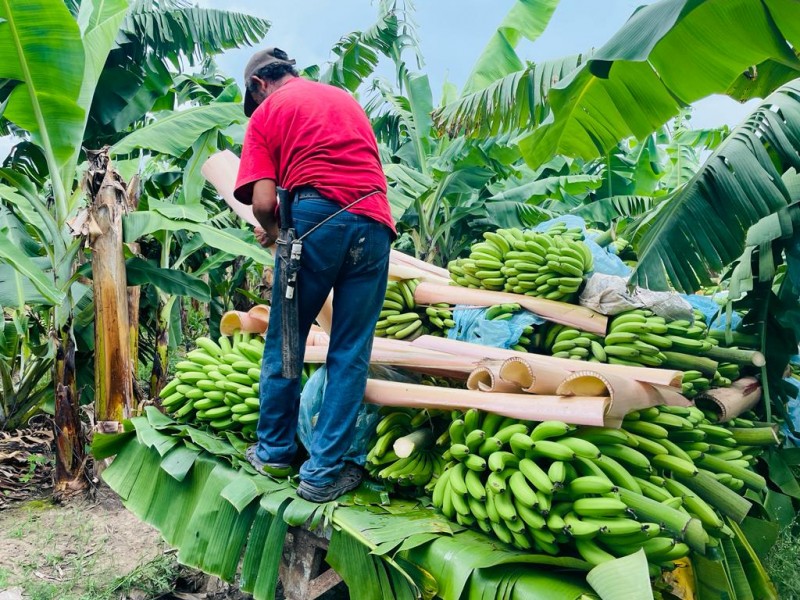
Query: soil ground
[97,550]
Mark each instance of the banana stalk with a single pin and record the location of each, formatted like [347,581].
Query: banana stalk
[689,362]
[413,442]
[736,355]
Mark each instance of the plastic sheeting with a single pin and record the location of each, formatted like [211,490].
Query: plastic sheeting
[473,326]
[311,403]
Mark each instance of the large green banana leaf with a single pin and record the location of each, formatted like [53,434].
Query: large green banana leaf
[358,53]
[172,29]
[516,102]
[668,55]
[526,19]
[45,101]
[28,268]
[702,227]
[175,132]
[141,223]
[205,499]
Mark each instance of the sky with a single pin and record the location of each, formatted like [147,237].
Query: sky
[452,34]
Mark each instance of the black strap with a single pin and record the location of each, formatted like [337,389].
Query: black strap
[338,212]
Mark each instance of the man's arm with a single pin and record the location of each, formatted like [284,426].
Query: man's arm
[265,201]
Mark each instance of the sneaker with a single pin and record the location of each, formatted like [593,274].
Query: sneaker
[349,478]
[272,469]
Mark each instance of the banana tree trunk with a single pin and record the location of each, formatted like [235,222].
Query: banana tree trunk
[70,473]
[112,363]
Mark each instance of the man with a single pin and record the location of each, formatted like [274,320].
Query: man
[315,141]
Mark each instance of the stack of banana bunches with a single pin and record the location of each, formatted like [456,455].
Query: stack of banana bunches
[217,384]
[640,338]
[547,265]
[665,482]
[402,319]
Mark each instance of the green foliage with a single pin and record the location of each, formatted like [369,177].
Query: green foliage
[738,184]
[636,82]
[527,19]
[783,562]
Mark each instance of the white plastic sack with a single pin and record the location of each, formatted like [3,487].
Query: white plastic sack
[610,295]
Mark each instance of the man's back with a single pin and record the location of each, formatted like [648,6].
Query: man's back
[312,134]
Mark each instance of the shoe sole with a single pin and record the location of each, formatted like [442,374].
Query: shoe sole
[307,492]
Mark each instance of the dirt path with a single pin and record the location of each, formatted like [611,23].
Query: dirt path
[80,551]
[97,550]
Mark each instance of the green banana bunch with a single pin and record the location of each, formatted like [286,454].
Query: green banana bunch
[640,338]
[567,342]
[575,234]
[402,319]
[416,462]
[600,493]
[217,384]
[546,265]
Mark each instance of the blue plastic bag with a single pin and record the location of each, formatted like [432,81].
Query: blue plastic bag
[310,405]
[605,262]
[473,326]
[714,313]
[793,412]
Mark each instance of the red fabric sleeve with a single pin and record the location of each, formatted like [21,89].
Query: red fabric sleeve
[256,161]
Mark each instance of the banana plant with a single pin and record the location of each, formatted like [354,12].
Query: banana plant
[174,207]
[582,105]
[53,60]
[55,85]
[701,227]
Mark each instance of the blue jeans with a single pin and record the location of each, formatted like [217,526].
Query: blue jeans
[349,255]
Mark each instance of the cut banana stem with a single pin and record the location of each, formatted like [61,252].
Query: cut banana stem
[413,442]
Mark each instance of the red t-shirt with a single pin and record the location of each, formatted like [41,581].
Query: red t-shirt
[313,134]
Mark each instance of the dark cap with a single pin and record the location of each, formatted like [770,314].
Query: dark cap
[258,61]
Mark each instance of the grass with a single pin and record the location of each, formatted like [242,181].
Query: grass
[153,578]
[783,563]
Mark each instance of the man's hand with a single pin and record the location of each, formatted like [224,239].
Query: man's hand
[267,238]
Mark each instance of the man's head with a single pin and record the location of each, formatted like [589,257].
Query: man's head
[263,71]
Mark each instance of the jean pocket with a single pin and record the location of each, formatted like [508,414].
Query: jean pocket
[369,249]
[323,248]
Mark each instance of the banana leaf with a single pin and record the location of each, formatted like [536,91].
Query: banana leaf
[625,577]
[711,580]
[703,226]
[760,534]
[219,517]
[667,55]
[366,576]
[757,577]
[526,19]
[175,133]
[509,582]
[735,571]
[454,559]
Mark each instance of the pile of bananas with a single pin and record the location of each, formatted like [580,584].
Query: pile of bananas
[567,342]
[662,483]
[640,338]
[402,319]
[217,384]
[546,265]
[576,234]
[408,446]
